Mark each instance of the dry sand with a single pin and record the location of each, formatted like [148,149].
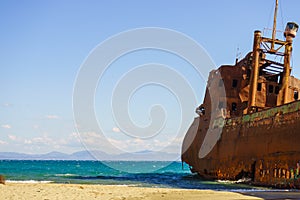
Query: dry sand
[49,191]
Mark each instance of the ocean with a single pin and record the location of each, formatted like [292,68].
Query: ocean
[134,173]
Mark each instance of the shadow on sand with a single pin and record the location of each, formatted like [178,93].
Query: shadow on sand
[274,195]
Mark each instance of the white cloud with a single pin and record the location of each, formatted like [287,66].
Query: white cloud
[74,136]
[116,130]
[137,141]
[12,137]
[2,142]
[7,126]
[91,138]
[42,143]
[118,143]
[35,126]
[27,141]
[169,144]
[52,117]
[7,104]
[43,140]
[97,141]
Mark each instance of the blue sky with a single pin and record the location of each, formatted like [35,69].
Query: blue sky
[44,43]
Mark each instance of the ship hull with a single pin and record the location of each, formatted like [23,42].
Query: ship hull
[263,147]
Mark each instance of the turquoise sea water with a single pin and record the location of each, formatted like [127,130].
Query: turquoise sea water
[158,174]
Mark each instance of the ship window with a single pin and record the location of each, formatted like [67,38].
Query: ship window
[202,111]
[296,95]
[277,90]
[221,105]
[259,87]
[221,83]
[234,106]
[234,83]
[271,88]
[248,73]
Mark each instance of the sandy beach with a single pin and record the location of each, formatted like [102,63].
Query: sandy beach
[49,191]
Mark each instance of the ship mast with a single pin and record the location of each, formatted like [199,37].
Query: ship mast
[262,47]
[274,26]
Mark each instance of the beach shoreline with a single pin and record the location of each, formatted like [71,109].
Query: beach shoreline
[47,191]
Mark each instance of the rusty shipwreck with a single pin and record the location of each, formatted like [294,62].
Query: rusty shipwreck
[249,122]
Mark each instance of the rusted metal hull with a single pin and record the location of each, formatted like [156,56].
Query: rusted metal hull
[262,146]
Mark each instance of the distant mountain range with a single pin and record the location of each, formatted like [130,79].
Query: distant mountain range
[86,155]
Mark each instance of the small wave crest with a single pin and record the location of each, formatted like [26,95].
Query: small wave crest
[243,180]
[65,175]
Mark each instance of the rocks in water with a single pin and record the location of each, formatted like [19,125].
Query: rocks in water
[2,179]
